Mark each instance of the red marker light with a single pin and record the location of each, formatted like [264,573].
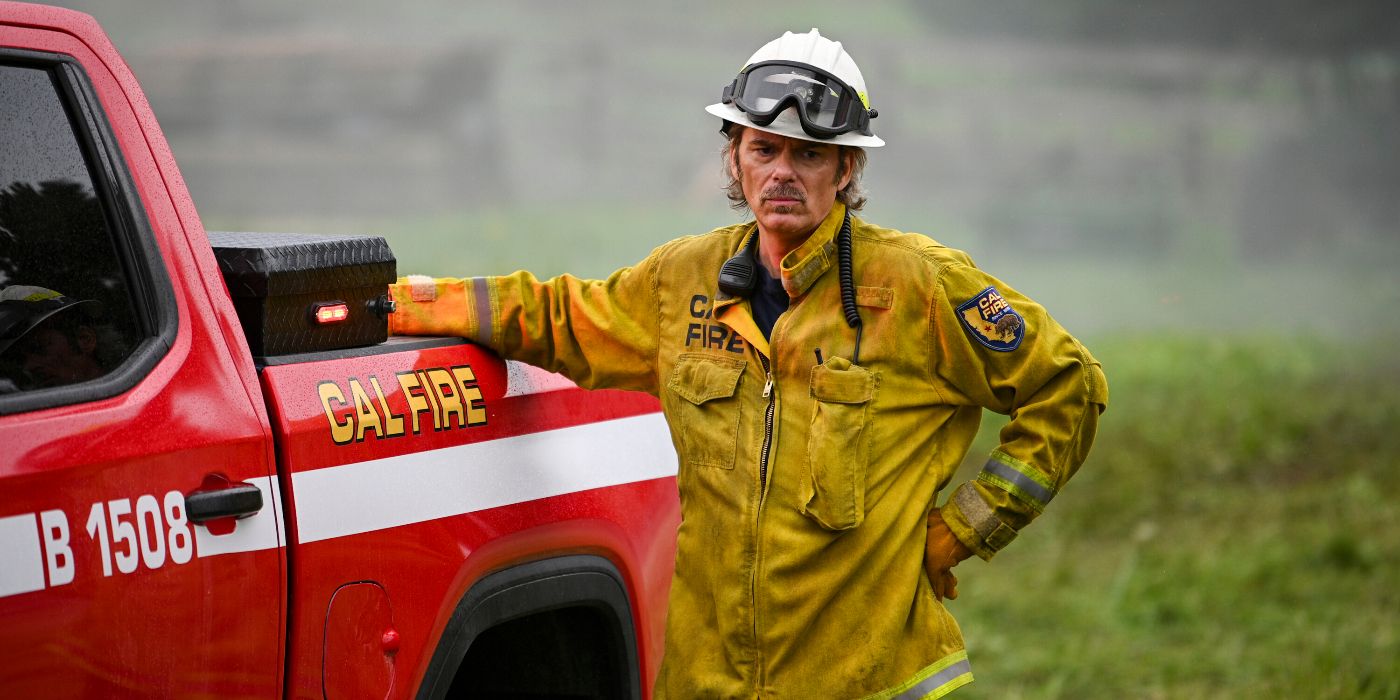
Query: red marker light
[329,312]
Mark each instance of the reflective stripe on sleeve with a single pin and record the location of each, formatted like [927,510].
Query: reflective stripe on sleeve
[942,677]
[482,293]
[1019,478]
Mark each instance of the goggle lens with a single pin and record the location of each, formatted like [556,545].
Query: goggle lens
[823,101]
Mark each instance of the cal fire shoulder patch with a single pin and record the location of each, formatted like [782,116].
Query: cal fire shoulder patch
[992,321]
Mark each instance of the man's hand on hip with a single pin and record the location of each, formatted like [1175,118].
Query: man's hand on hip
[943,551]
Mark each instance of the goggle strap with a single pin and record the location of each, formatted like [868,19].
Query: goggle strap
[860,118]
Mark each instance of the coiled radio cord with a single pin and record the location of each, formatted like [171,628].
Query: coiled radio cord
[848,285]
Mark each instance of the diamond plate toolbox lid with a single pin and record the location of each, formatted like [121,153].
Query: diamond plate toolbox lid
[278,279]
[274,264]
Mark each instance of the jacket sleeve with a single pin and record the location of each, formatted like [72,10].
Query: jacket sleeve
[599,333]
[998,349]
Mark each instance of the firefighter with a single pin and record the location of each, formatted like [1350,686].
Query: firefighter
[822,378]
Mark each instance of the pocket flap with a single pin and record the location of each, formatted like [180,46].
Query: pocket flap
[853,384]
[875,297]
[700,378]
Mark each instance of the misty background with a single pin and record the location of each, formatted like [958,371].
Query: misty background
[1207,193]
[1236,163]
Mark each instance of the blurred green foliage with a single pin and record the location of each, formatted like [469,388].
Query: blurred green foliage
[1234,533]
[1286,27]
[588,240]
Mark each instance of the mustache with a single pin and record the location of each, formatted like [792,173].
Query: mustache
[784,191]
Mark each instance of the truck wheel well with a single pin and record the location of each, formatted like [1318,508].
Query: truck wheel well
[557,654]
[555,628]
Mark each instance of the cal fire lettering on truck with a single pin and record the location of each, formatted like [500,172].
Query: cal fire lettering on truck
[449,397]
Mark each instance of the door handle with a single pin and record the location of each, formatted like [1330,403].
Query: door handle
[234,501]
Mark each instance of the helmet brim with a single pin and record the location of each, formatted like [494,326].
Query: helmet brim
[786,124]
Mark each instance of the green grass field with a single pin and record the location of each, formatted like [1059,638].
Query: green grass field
[1234,534]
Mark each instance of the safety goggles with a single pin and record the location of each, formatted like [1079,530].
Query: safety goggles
[826,106]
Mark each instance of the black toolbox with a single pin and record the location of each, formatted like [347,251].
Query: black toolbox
[297,293]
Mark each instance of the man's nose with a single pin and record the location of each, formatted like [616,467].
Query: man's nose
[783,166]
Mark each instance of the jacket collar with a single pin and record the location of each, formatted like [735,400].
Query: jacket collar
[802,267]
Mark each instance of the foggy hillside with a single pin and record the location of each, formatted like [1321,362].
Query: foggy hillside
[571,136]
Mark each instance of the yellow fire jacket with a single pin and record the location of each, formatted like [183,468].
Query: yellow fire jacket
[805,488]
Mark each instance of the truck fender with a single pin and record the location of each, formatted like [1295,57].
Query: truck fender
[568,582]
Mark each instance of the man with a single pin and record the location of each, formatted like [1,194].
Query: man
[822,378]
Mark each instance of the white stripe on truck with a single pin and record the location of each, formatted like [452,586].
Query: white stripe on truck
[261,531]
[366,496]
[383,493]
[37,549]
[21,560]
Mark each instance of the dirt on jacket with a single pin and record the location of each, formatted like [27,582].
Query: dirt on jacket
[805,487]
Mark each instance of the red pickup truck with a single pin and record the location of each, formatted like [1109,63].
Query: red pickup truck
[188,509]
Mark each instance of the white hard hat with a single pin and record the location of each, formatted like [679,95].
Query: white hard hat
[813,82]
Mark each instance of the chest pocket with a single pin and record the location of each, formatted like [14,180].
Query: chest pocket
[708,411]
[838,444]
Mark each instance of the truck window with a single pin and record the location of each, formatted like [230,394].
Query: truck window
[66,309]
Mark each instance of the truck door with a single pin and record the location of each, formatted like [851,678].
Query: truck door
[126,413]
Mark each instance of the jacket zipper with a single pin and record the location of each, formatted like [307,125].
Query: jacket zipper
[768,417]
[762,493]
[767,428]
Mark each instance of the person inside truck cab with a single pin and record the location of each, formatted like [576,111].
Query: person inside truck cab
[47,339]
[822,377]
